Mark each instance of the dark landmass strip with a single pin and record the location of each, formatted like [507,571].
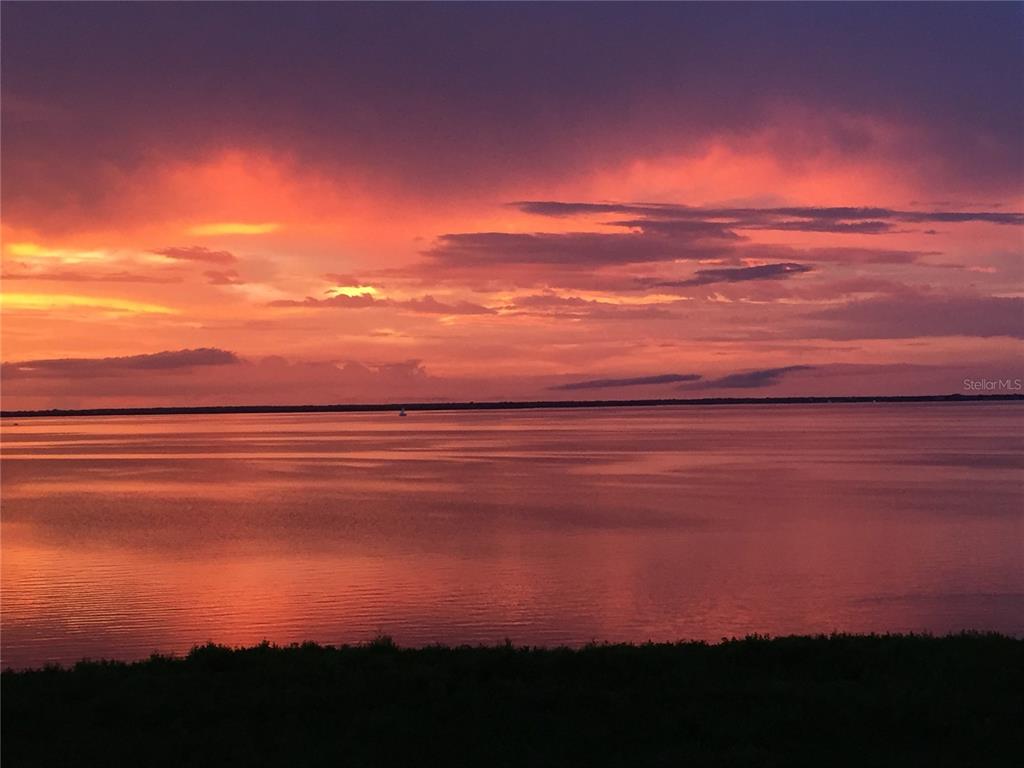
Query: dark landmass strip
[861,700]
[507,405]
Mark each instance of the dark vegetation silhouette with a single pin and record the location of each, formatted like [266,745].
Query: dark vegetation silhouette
[510,405]
[792,701]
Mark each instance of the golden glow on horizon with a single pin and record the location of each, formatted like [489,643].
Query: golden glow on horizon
[266,235]
[234,228]
[36,251]
[45,301]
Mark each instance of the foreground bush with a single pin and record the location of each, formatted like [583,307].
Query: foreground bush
[839,700]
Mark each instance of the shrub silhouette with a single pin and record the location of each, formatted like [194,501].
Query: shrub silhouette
[837,700]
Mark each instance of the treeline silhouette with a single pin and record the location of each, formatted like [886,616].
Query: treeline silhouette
[836,700]
[503,405]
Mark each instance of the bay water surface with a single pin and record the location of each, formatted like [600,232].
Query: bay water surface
[122,536]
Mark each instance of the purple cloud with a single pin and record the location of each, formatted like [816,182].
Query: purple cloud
[112,366]
[225,277]
[198,253]
[765,377]
[669,217]
[577,248]
[638,381]
[733,275]
[915,314]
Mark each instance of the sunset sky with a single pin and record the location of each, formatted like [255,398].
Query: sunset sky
[287,203]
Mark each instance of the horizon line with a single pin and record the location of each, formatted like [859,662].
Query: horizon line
[484,405]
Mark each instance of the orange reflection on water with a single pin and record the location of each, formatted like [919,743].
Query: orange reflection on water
[123,536]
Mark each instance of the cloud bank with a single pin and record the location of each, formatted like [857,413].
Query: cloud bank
[638,381]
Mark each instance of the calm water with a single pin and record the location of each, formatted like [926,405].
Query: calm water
[124,536]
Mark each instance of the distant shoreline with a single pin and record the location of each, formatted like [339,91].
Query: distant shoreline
[509,405]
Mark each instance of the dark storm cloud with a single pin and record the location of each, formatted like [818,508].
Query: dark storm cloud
[555,254]
[668,218]
[665,378]
[840,255]
[116,366]
[917,217]
[693,228]
[667,233]
[575,248]
[198,253]
[734,275]
[837,227]
[766,377]
[445,96]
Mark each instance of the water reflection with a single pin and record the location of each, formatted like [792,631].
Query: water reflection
[122,536]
